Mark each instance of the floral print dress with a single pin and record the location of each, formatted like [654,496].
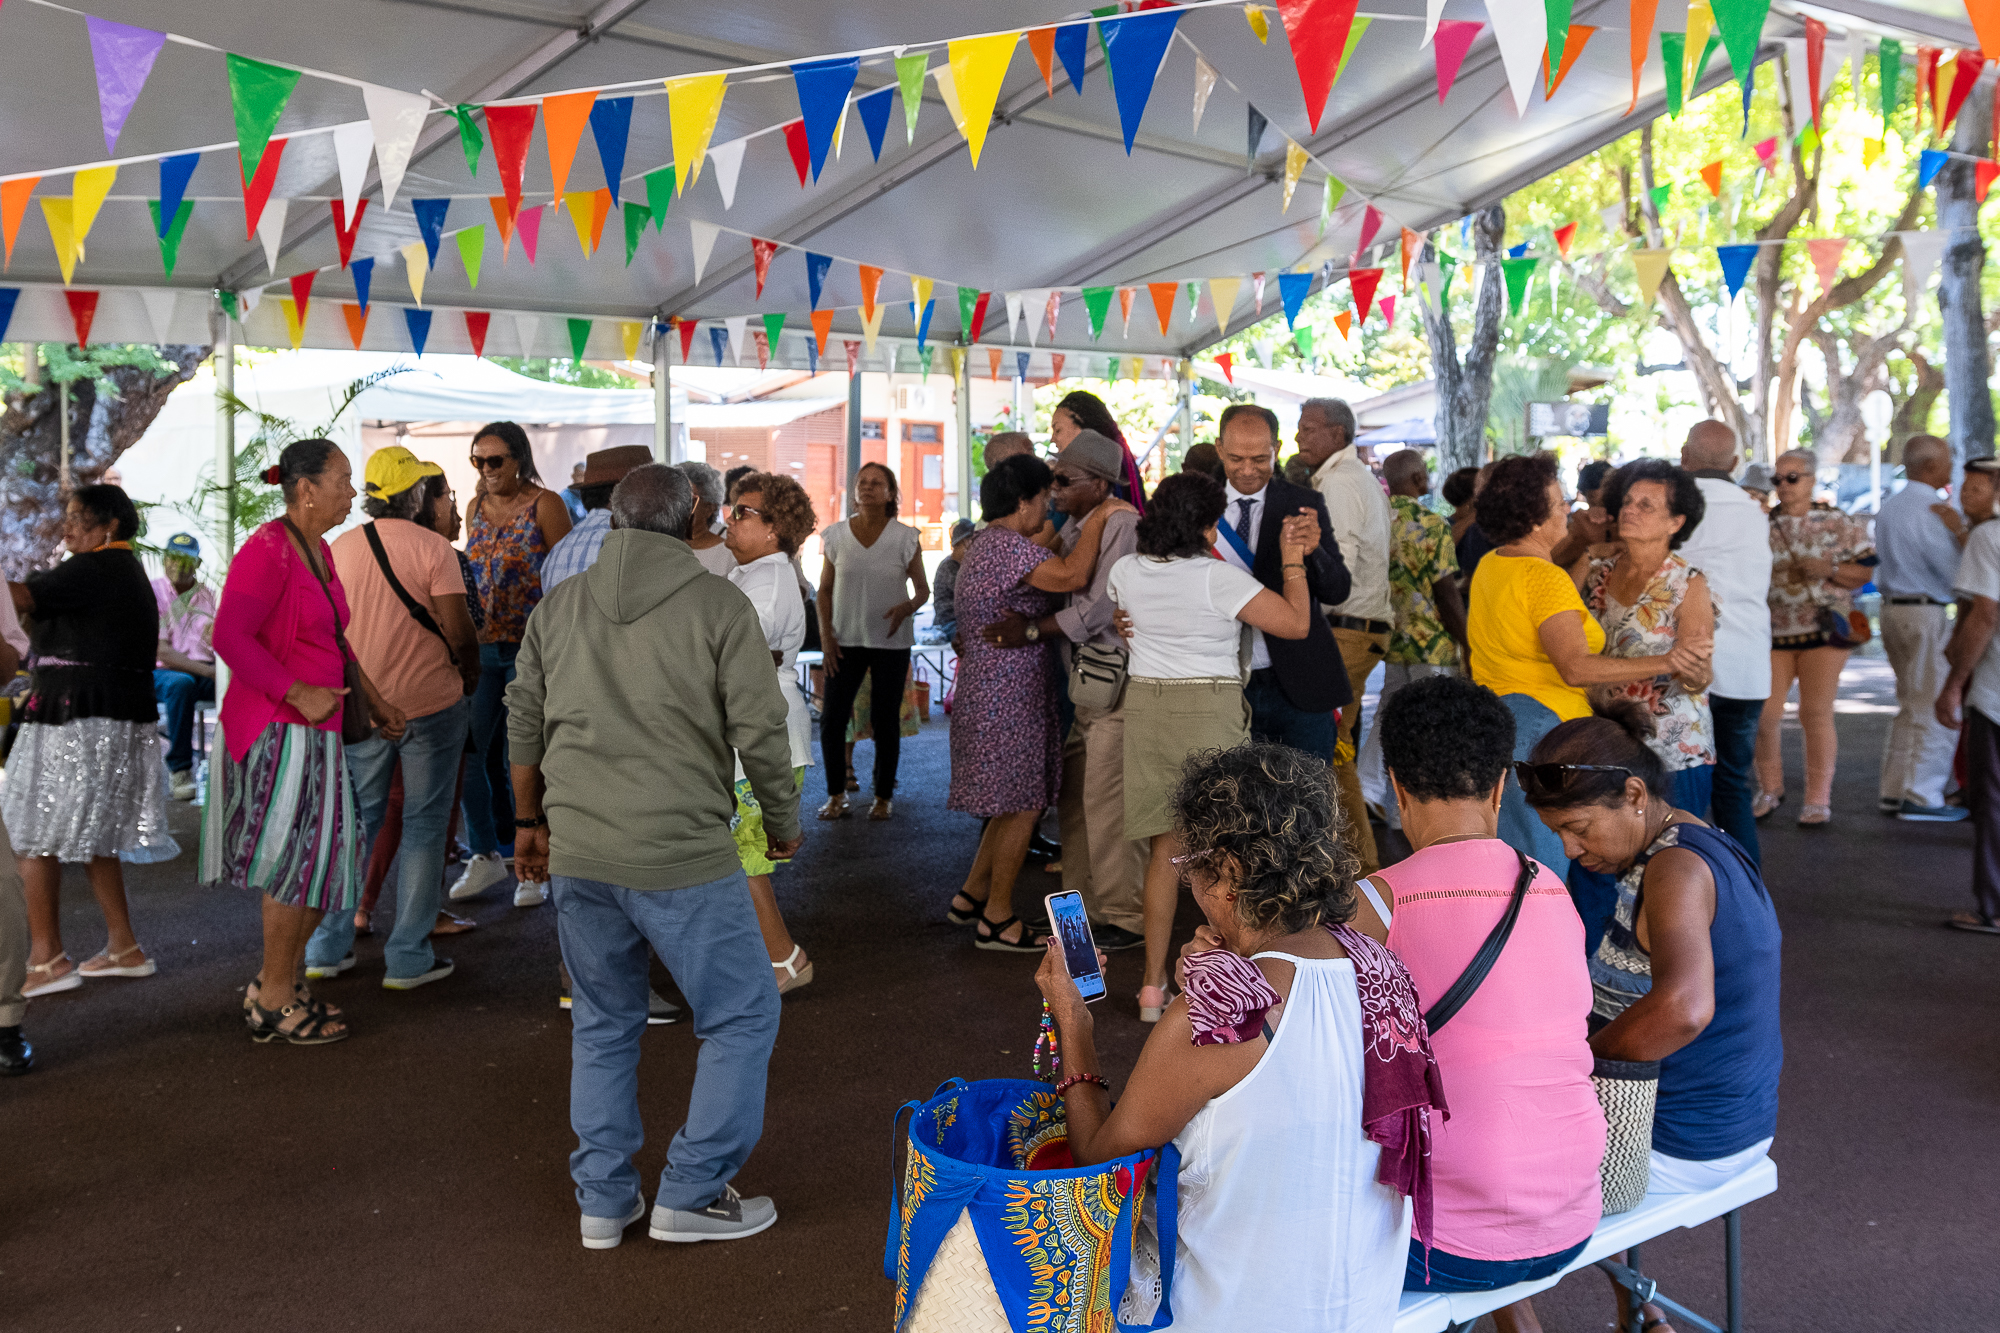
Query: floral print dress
[1684,730]
[1006,750]
[1817,534]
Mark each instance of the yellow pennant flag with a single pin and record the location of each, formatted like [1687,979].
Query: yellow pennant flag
[295,324]
[582,206]
[1947,73]
[1222,295]
[1652,268]
[628,333]
[693,105]
[89,188]
[957,362]
[948,90]
[1260,22]
[1870,150]
[921,289]
[979,66]
[1701,22]
[416,260]
[1137,364]
[1295,162]
[57,212]
[871,325]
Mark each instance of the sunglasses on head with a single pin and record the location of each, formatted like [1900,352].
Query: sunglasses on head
[1788,477]
[1554,779]
[486,462]
[737,513]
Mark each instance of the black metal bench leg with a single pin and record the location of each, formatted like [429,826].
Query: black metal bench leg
[1732,1231]
[1638,1320]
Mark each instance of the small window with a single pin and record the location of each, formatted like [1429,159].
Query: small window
[925,432]
[874,430]
[933,472]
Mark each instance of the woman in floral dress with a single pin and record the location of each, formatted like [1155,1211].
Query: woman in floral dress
[1006,748]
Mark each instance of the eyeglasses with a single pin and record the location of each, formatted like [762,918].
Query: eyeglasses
[1788,477]
[738,512]
[489,462]
[1554,779]
[1059,481]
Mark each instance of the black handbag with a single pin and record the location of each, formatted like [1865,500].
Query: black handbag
[1482,962]
[355,724]
[418,612]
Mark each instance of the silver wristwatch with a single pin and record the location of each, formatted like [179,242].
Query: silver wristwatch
[1033,633]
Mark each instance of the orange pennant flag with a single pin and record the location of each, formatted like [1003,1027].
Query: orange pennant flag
[1125,295]
[1579,33]
[1412,243]
[504,215]
[600,210]
[1711,176]
[822,322]
[1343,321]
[993,363]
[13,207]
[1042,41]
[563,119]
[1163,301]
[871,278]
[357,322]
[1642,37]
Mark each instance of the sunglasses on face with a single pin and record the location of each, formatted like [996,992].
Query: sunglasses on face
[489,462]
[1788,477]
[1555,779]
[1059,481]
[737,513]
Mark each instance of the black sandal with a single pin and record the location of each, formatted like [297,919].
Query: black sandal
[964,918]
[986,935]
[299,994]
[309,1031]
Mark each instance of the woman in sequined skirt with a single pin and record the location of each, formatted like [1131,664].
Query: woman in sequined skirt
[85,780]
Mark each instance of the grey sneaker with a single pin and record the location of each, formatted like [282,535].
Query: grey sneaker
[440,969]
[604,1233]
[730,1217]
[1932,814]
[322,971]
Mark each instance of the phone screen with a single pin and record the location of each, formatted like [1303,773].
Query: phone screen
[1072,927]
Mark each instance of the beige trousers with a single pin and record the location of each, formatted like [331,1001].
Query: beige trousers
[1359,653]
[13,936]
[1098,860]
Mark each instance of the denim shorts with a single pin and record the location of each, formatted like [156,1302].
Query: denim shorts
[1450,1272]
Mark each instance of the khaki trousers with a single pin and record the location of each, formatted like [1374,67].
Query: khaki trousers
[13,937]
[1917,753]
[1359,653]
[1098,860]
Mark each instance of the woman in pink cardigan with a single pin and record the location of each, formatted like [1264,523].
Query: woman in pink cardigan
[283,820]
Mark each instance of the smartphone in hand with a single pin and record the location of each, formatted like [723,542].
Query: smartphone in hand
[1072,926]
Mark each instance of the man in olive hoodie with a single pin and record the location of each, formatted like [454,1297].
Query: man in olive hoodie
[635,682]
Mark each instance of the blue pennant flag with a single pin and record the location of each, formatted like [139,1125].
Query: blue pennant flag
[430,223]
[610,124]
[1134,48]
[1736,261]
[1020,365]
[816,267]
[1928,166]
[1293,288]
[8,295]
[1072,42]
[419,322]
[924,324]
[874,110]
[823,88]
[364,273]
[174,174]
[718,338]
[1465,224]
[1517,251]
[1258,124]
[812,355]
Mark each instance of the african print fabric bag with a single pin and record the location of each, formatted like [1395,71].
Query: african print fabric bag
[992,1228]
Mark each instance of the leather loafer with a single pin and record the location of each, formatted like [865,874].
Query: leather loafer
[16,1056]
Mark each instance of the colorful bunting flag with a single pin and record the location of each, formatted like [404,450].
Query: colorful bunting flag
[1651,266]
[796,147]
[1342,320]
[1673,45]
[257,93]
[414,269]
[774,326]
[1388,304]
[701,237]
[874,109]
[430,223]
[170,239]
[295,321]
[1521,42]
[1134,48]
[1736,261]
[581,206]
[687,328]
[1260,22]
[816,270]
[1054,308]
[395,118]
[1929,163]
[1889,66]
[82,312]
[636,217]
[1825,255]
[610,128]
[1371,222]
[56,212]
[1226,363]
[978,67]
[470,140]
[760,253]
[1516,272]
[257,189]
[659,195]
[563,117]
[1056,360]
[418,323]
[1317,30]
[344,232]
[1222,300]
[123,56]
[693,105]
[357,323]
[1163,301]
[1204,84]
[1921,252]
[528,226]
[1983,172]
[363,273]
[511,128]
[910,85]
[718,338]
[1966,70]
[472,251]
[579,336]
[1742,25]
[1257,125]
[1579,37]
[1292,290]
[1711,176]
[1362,282]
[728,160]
[1042,45]
[1295,162]
[823,86]
[1454,39]
[1565,236]
[1070,43]
[1097,303]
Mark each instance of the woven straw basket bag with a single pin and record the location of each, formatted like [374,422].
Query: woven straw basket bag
[958,1295]
[1626,1089]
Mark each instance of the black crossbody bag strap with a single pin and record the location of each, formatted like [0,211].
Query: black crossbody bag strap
[416,608]
[1482,962]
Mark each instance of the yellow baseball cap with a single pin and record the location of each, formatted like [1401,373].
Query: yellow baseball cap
[393,470]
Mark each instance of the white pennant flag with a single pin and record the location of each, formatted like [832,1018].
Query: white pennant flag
[524,332]
[1795,77]
[1555,286]
[1433,11]
[1014,308]
[1035,302]
[1522,33]
[726,160]
[271,231]
[1857,55]
[1613,216]
[397,118]
[702,235]
[1921,252]
[736,324]
[1222,295]
[1204,84]
[1431,281]
[246,301]
[352,143]
[160,309]
[1257,285]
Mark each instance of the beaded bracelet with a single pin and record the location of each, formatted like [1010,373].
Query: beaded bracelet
[1075,1079]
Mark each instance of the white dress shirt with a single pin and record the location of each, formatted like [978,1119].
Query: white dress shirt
[1260,656]
[1361,519]
[1731,546]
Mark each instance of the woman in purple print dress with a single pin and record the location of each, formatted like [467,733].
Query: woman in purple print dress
[1006,750]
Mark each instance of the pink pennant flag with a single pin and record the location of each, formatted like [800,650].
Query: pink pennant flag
[1055,365]
[1371,222]
[1766,151]
[1257,287]
[1825,255]
[1454,38]
[1388,304]
[528,226]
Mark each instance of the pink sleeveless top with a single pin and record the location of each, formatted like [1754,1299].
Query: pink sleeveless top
[1515,1167]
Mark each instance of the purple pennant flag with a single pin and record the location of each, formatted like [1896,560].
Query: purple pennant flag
[124,56]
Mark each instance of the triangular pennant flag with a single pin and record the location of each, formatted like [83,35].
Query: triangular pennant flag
[636,217]
[82,313]
[1260,22]
[718,338]
[353,143]
[1742,26]
[1517,272]
[88,188]
[993,355]
[1521,41]
[1659,195]
[871,325]
[629,332]
[1371,222]
[1413,245]
[1388,304]
[1014,308]
[795,145]
[344,231]
[414,269]
[528,226]
[816,269]
[1317,30]
[1983,172]
[600,210]
[1226,362]
[472,251]
[1344,321]
[610,127]
[910,84]
[1303,338]
[978,68]
[979,314]
[1652,269]
[271,231]
[1579,37]
[774,326]
[174,175]
[1641,34]
[659,195]
[1825,255]
[1292,290]
[1097,304]
[1362,282]
[1673,45]
[170,242]
[1967,69]
[874,109]
[1163,301]
[1125,299]
[822,323]
[1815,63]
[920,292]
[728,160]
[1799,83]
[1111,364]
[258,93]
[123,56]
[397,118]
[1735,261]
[1921,252]
[1565,236]
[823,86]
[1042,44]
[1454,38]
[1889,69]
[470,140]
[581,206]
[511,128]
[1204,84]
[1711,176]
[947,86]
[1054,309]
[579,337]
[760,253]
[686,328]
[702,236]
[295,321]
[418,323]
[1133,49]
[1222,297]
[363,273]
[525,327]
[476,324]
[1929,164]
[924,359]
[1020,360]
[257,189]
[563,117]
[1257,125]
[302,286]
[693,105]
[1555,31]
[1871,149]
[1295,162]
[430,223]
[1056,360]
[1700,39]
[1071,43]
[357,323]
[871,278]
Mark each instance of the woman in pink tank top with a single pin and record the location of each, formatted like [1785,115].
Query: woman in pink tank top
[1516,1165]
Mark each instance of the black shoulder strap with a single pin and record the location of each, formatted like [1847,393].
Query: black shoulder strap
[1482,962]
[416,608]
[339,633]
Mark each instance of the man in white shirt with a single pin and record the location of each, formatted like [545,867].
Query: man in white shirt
[1359,510]
[1732,547]
[1970,698]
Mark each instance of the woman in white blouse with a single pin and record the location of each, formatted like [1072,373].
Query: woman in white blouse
[769,519]
[864,627]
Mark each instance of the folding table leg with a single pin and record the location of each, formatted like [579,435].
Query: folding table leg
[1732,1231]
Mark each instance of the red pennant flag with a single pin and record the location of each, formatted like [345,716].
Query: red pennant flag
[344,233]
[687,328]
[1362,282]
[853,356]
[257,190]
[83,309]
[1227,361]
[978,315]
[795,144]
[511,128]
[357,323]
[1565,237]
[1042,41]
[302,288]
[476,322]
[1055,365]
[1448,48]
[1927,61]
[763,343]
[1371,222]
[1317,30]
[1388,304]
[1163,294]
[760,254]
[1579,33]
[993,363]
[1983,173]
[1815,62]
[1711,176]
[1970,64]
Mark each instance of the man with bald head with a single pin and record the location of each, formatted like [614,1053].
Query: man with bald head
[1917,537]
[1732,547]
[1005,445]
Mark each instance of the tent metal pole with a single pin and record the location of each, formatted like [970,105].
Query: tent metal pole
[964,390]
[854,434]
[224,363]
[663,397]
[1187,404]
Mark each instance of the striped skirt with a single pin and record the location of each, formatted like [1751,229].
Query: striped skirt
[283,821]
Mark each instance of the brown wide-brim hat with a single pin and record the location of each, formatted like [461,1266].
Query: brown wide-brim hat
[607,467]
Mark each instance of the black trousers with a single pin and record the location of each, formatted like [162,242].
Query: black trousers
[1982,770]
[891,668]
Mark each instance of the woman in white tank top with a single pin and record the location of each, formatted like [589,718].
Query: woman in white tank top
[1281,1221]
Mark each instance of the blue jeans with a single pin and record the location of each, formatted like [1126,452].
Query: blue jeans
[1735,785]
[489,791]
[707,936]
[178,693]
[1520,827]
[1451,1272]
[430,751]
[1274,718]
[1694,788]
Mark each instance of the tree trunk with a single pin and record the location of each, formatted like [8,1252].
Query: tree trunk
[1913,414]
[1967,364]
[101,427]
[1465,389]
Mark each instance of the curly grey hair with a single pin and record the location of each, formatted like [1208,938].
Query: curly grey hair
[1272,810]
[707,481]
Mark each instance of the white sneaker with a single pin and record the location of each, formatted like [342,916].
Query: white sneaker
[531,893]
[482,872]
[181,785]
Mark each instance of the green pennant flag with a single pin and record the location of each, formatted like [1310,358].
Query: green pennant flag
[1517,272]
[579,334]
[910,78]
[1302,337]
[1447,266]
[1104,51]
[469,137]
[1889,65]
[228,301]
[659,194]
[1194,300]
[773,326]
[1658,194]
[1557,13]
[1742,25]
[1808,138]
[1673,48]
[1110,367]
[924,359]
[1097,303]
[1335,188]
[258,92]
[636,215]
[170,242]
[471,250]
[968,301]
[1701,65]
